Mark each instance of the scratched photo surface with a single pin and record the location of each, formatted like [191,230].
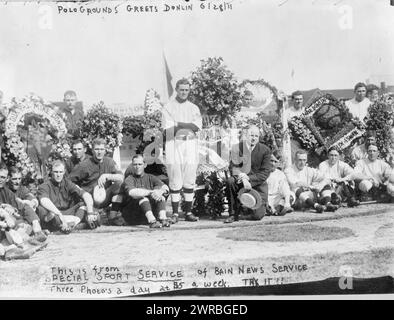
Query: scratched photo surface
[128,56]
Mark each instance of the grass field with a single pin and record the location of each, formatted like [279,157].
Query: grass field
[286,233]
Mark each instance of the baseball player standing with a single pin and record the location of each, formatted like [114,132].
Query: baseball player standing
[181,120]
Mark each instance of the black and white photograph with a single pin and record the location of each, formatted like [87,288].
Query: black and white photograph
[197,149]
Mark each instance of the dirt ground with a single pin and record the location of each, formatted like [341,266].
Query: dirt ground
[191,248]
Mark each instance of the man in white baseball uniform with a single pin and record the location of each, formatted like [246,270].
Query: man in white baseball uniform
[341,176]
[373,173]
[181,120]
[308,184]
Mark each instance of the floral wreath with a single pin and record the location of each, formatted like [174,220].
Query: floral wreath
[304,129]
[261,82]
[14,150]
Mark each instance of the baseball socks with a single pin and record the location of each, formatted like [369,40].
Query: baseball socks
[189,195]
[175,199]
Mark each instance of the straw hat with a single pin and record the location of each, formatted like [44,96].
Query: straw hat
[250,199]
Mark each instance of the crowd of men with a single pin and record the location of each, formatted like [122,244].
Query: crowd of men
[85,188]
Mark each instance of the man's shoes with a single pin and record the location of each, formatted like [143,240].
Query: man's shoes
[332,207]
[81,226]
[155,225]
[165,223]
[335,199]
[115,219]
[352,202]
[249,217]
[40,236]
[366,197]
[320,208]
[174,219]
[229,220]
[191,217]
[285,210]
[15,253]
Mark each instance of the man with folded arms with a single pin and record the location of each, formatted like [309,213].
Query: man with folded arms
[372,174]
[61,203]
[251,168]
[181,120]
[144,193]
[309,185]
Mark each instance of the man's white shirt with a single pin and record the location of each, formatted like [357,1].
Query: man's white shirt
[293,112]
[358,109]
[308,176]
[277,183]
[379,170]
[186,112]
[337,171]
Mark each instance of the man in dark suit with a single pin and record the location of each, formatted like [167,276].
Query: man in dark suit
[73,112]
[251,167]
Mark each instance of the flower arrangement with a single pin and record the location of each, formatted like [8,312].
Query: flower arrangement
[14,154]
[14,150]
[301,132]
[200,198]
[381,119]
[215,205]
[262,92]
[60,151]
[215,90]
[100,122]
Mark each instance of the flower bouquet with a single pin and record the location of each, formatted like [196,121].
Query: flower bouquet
[100,122]
[215,90]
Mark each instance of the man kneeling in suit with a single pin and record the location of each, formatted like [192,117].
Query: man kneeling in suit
[251,167]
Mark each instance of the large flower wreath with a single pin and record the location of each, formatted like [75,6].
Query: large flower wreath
[325,123]
[14,150]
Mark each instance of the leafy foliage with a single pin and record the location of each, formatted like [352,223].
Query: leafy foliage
[381,119]
[215,90]
[100,122]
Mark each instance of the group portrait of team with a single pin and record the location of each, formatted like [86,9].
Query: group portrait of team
[77,192]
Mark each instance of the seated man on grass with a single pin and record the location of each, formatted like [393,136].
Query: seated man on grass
[341,176]
[309,185]
[102,171]
[26,212]
[64,205]
[145,195]
[279,194]
[22,193]
[372,175]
